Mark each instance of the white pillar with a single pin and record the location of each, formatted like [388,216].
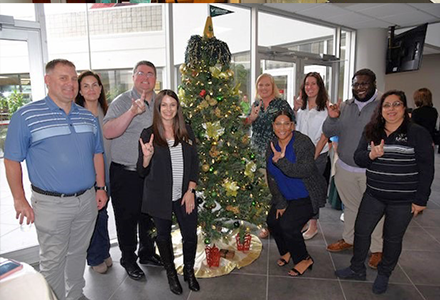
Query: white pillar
[371,49]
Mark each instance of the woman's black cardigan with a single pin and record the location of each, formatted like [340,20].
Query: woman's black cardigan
[158,182]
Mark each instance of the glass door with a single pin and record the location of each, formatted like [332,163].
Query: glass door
[21,63]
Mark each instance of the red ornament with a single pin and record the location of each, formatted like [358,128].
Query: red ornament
[246,243]
[212,256]
[202,93]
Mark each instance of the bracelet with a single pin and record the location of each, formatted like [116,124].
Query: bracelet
[192,191]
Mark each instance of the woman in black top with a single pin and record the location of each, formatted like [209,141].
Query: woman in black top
[399,158]
[425,114]
[169,162]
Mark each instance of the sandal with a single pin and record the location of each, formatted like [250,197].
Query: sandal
[282,262]
[298,273]
[263,234]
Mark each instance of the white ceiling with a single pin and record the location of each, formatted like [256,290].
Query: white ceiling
[371,15]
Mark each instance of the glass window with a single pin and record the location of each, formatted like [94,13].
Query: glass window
[294,34]
[18,11]
[232,28]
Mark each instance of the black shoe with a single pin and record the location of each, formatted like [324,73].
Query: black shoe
[152,260]
[380,285]
[133,271]
[188,275]
[348,273]
[173,281]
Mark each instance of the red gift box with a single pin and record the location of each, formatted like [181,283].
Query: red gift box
[212,256]
[245,246]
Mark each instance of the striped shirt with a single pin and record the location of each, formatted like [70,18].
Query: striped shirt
[59,148]
[177,168]
[406,170]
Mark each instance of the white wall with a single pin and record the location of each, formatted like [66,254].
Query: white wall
[371,47]
[427,76]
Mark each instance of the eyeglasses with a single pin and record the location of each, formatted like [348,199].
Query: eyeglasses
[395,104]
[360,85]
[279,124]
[148,75]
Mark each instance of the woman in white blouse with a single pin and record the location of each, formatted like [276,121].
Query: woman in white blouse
[311,112]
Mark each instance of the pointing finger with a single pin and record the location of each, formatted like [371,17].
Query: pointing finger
[273,148]
[151,138]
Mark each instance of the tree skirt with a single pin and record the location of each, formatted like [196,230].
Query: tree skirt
[201,269]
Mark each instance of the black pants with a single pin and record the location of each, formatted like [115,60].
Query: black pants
[397,218]
[286,230]
[188,229]
[127,192]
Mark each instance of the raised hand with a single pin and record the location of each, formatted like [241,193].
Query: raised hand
[255,111]
[376,151]
[138,106]
[333,109]
[147,148]
[277,154]
[298,102]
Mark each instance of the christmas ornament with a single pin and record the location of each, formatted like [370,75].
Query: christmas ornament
[233,209]
[183,68]
[214,194]
[223,75]
[213,130]
[205,168]
[207,241]
[199,200]
[236,224]
[215,71]
[204,104]
[214,152]
[220,99]
[202,93]
[181,93]
[218,112]
[230,187]
[250,169]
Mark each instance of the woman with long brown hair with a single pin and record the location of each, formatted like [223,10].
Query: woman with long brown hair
[91,96]
[168,161]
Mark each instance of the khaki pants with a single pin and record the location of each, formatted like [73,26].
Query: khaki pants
[351,187]
[64,228]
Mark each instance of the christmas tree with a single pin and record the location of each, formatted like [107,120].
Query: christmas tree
[231,187]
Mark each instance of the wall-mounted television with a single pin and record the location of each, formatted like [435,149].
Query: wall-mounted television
[405,50]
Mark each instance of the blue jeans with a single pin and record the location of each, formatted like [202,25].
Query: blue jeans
[397,218]
[99,248]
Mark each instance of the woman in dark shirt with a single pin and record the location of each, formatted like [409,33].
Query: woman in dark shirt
[425,114]
[297,188]
[169,162]
[399,158]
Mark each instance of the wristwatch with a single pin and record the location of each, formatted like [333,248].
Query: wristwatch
[192,190]
[100,188]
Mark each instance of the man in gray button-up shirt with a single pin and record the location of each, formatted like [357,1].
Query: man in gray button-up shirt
[126,117]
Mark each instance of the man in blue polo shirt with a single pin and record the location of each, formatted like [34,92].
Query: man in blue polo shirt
[62,145]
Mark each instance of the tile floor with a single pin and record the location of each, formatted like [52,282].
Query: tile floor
[417,275]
